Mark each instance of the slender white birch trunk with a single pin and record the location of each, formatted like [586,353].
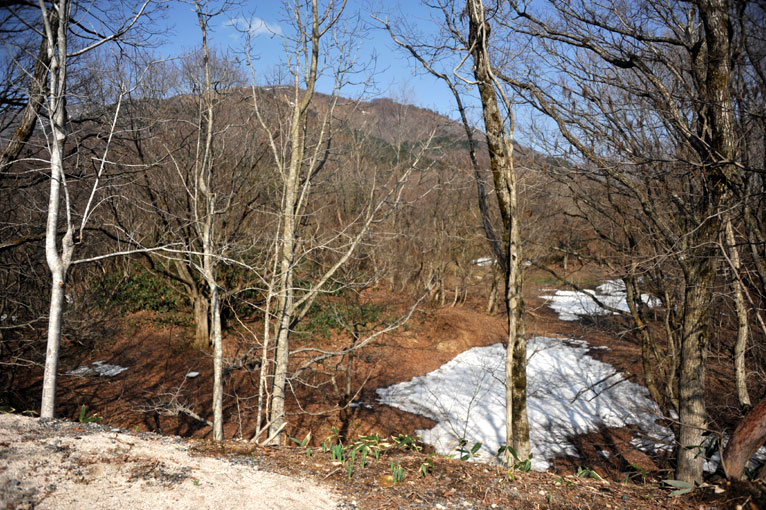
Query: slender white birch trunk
[206,222]
[58,262]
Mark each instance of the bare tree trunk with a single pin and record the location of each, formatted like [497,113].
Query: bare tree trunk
[55,28]
[48,404]
[201,306]
[492,300]
[743,328]
[281,365]
[286,294]
[58,263]
[217,363]
[691,383]
[501,163]
[307,157]
[717,117]
[208,206]
[290,211]
[517,331]
[35,100]
[517,341]
[648,360]
[264,394]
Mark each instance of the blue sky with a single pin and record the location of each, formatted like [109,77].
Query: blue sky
[395,74]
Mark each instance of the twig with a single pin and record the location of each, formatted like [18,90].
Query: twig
[590,387]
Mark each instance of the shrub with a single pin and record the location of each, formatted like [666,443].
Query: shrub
[140,289]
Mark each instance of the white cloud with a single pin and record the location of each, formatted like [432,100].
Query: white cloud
[256,26]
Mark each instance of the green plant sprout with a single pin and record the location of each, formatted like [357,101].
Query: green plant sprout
[584,472]
[510,459]
[681,486]
[304,443]
[465,452]
[397,472]
[88,418]
[427,466]
[361,448]
[407,442]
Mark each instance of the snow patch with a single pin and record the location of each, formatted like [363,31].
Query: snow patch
[571,305]
[569,393]
[484,262]
[100,368]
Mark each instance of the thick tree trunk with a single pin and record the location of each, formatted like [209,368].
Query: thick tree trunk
[716,128]
[201,306]
[59,266]
[691,384]
[520,420]
[517,328]
[749,435]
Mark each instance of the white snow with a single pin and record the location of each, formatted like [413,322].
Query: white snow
[758,458]
[571,305]
[100,368]
[484,261]
[569,393]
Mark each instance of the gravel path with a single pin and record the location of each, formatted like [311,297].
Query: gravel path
[63,465]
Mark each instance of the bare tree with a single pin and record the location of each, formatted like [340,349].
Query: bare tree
[500,145]
[207,207]
[304,265]
[472,41]
[59,258]
[643,94]
[163,139]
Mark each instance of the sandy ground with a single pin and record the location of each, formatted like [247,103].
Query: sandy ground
[62,465]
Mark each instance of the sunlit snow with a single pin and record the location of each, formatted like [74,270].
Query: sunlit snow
[484,261]
[569,393]
[571,305]
[101,368]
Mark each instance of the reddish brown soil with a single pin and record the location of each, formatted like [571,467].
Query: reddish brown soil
[158,357]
